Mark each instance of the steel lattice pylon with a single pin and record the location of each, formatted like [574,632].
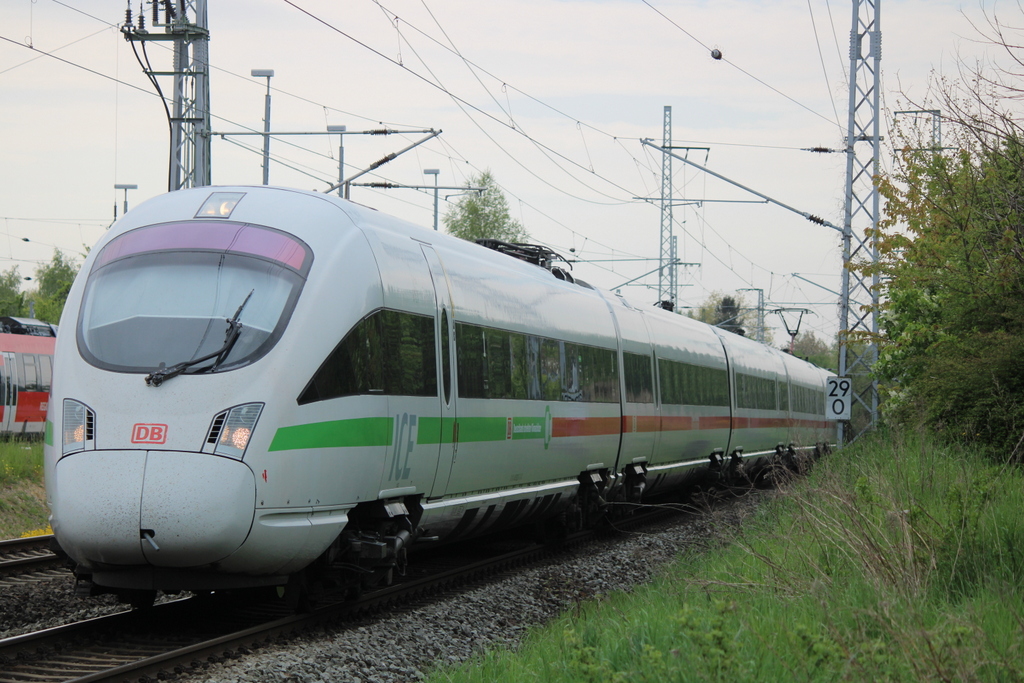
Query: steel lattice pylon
[667,272]
[861,215]
[190,109]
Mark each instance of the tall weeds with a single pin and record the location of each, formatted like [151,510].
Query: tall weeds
[897,559]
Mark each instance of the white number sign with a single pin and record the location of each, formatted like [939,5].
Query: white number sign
[838,398]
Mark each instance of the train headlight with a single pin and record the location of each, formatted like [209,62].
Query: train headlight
[231,430]
[79,426]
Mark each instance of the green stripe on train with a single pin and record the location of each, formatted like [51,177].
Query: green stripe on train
[435,430]
[362,431]
[379,431]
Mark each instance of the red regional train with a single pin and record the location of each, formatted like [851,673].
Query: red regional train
[26,369]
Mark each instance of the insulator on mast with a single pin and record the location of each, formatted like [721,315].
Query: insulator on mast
[128,15]
[383,161]
[156,12]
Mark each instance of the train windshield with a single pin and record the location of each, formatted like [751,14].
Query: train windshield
[171,294]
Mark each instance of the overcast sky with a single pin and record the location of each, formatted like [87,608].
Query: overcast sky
[552,96]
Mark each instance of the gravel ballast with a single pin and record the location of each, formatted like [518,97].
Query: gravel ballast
[403,644]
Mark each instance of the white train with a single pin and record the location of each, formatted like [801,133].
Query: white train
[256,383]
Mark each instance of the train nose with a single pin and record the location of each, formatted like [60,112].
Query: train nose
[164,508]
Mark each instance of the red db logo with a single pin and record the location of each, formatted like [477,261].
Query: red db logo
[148,433]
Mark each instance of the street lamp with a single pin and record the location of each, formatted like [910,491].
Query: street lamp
[434,172]
[340,130]
[125,187]
[268,74]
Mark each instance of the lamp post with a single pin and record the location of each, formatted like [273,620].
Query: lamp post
[340,130]
[125,187]
[268,74]
[434,172]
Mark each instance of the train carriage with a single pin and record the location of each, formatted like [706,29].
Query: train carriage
[263,382]
[26,369]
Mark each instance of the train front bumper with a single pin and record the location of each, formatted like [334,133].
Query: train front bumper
[163,509]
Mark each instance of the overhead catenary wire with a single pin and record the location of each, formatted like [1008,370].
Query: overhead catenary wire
[463,102]
[739,68]
[643,170]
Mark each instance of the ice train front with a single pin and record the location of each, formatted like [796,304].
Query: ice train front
[161,381]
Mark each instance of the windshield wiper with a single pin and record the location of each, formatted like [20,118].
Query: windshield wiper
[158,377]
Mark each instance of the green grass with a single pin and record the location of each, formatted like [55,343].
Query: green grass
[20,460]
[22,498]
[897,559]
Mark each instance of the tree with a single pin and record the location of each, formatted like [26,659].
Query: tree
[951,260]
[53,282]
[951,265]
[483,214]
[812,348]
[12,299]
[723,311]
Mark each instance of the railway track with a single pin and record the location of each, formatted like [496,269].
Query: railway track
[190,634]
[28,559]
[186,634]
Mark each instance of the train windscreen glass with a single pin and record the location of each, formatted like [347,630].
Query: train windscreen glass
[166,294]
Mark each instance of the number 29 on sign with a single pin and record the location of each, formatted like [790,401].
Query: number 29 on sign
[838,398]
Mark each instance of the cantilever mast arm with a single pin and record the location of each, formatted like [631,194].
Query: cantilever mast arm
[377,164]
[811,217]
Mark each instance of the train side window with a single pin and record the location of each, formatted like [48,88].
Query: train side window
[499,364]
[523,368]
[808,400]
[550,370]
[410,356]
[28,371]
[446,369]
[784,396]
[688,384]
[756,392]
[388,352]
[639,378]
[570,371]
[470,359]
[45,372]
[599,370]
[353,367]
[670,393]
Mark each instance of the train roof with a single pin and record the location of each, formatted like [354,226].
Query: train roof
[29,326]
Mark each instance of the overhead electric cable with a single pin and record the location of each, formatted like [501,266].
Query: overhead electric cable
[41,55]
[455,97]
[821,58]
[459,103]
[70,63]
[736,66]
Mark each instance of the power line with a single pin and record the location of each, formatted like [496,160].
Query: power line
[737,67]
[821,58]
[465,103]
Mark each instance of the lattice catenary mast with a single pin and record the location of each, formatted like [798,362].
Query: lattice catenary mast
[189,110]
[667,273]
[863,144]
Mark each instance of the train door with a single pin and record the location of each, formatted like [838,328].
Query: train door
[445,330]
[9,389]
